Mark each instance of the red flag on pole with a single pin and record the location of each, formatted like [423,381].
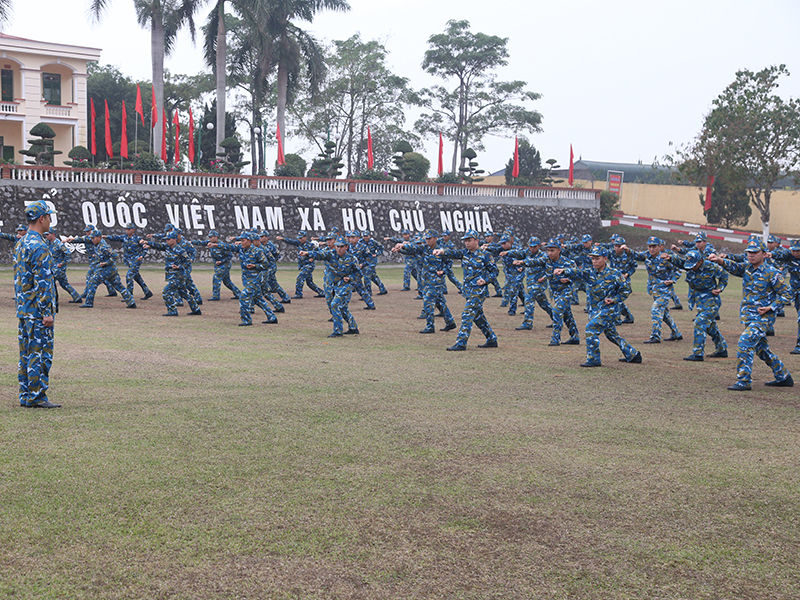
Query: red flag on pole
[138,108]
[153,110]
[707,205]
[191,136]
[571,165]
[163,135]
[123,147]
[441,154]
[177,138]
[109,149]
[370,159]
[281,159]
[94,136]
[515,170]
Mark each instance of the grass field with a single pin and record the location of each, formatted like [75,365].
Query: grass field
[194,459]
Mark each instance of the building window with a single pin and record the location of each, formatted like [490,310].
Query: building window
[7,83]
[6,151]
[51,88]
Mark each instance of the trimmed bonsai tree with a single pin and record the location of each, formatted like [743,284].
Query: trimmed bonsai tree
[41,149]
[80,157]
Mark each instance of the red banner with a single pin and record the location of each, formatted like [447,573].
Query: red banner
[153,110]
[139,108]
[441,155]
[281,159]
[571,166]
[191,136]
[707,205]
[94,135]
[515,170]
[177,137]
[163,135]
[614,182]
[109,148]
[123,147]
[370,160]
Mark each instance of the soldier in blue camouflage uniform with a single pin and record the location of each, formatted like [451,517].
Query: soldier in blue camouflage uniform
[409,270]
[176,269]
[34,291]
[478,269]
[60,255]
[132,255]
[269,261]
[90,250]
[560,291]
[358,250]
[606,289]
[661,277]
[372,250]
[305,266]
[536,282]
[624,263]
[488,238]
[791,260]
[253,265]
[764,292]
[222,255]
[271,275]
[432,281]
[344,267]
[103,268]
[514,274]
[578,252]
[446,243]
[773,244]
[706,282]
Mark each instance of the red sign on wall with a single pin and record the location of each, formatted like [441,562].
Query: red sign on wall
[614,182]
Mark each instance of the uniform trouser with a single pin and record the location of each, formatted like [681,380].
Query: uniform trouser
[35,358]
[60,277]
[409,271]
[512,292]
[562,315]
[754,341]
[675,300]
[175,290]
[493,281]
[306,277]
[448,271]
[796,294]
[133,275]
[340,310]
[659,313]
[266,293]
[473,313]
[89,274]
[705,324]
[222,276]
[110,277]
[433,296]
[371,276]
[363,291]
[534,294]
[274,286]
[605,322]
[192,288]
[250,296]
[625,312]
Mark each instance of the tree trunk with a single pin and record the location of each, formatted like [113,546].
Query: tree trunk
[283,84]
[157,57]
[222,51]
[765,214]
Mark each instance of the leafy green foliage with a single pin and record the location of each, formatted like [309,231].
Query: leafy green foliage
[448,178]
[471,173]
[609,204]
[41,149]
[531,172]
[295,166]
[327,165]
[730,204]
[372,175]
[147,161]
[230,160]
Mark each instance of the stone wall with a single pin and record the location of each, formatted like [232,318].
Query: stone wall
[198,210]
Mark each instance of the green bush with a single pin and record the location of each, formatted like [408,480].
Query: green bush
[402,146]
[448,178]
[372,175]
[295,167]
[609,202]
[147,161]
[415,166]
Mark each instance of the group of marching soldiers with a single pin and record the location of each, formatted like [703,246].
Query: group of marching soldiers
[559,267]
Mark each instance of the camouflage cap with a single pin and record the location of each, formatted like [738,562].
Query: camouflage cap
[404,231]
[506,239]
[169,227]
[36,210]
[534,241]
[619,240]
[553,243]
[302,233]
[773,239]
[340,241]
[700,237]
[586,238]
[213,233]
[88,228]
[693,257]
[22,227]
[446,232]
[366,233]
[431,233]
[471,233]
[172,235]
[598,251]
[654,241]
[795,245]
[95,233]
[756,246]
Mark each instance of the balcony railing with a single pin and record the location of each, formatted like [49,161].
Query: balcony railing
[9,108]
[51,110]
[288,184]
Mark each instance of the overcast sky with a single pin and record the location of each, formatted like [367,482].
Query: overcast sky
[619,79]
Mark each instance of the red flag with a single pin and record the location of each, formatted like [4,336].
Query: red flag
[515,170]
[109,149]
[281,159]
[123,147]
[177,138]
[138,108]
[370,159]
[94,136]
[571,166]
[707,205]
[441,155]
[191,136]
[163,135]
[153,110]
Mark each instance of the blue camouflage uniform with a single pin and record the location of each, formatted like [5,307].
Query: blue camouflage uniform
[372,250]
[702,281]
[358,249]
[659,271]
[605,290]
[448,264]
[132,255]
[271,275]
[176,267]
[578,252]
[305,266]
[342,270]
[624,263]
[762,286]
[477,266]
[104,270]
[34,291]
[222,255]
[269,261]
[785,257]
[535,283]
[90,250]
[432,283]
[61,257]
[253,265]
[561,293]
[488,238]
[514,274]
[409,269]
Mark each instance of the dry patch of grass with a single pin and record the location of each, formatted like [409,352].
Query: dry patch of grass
[196,459]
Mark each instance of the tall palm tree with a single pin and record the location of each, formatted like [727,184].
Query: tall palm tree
[165,18]
[5,12]
[293,46]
